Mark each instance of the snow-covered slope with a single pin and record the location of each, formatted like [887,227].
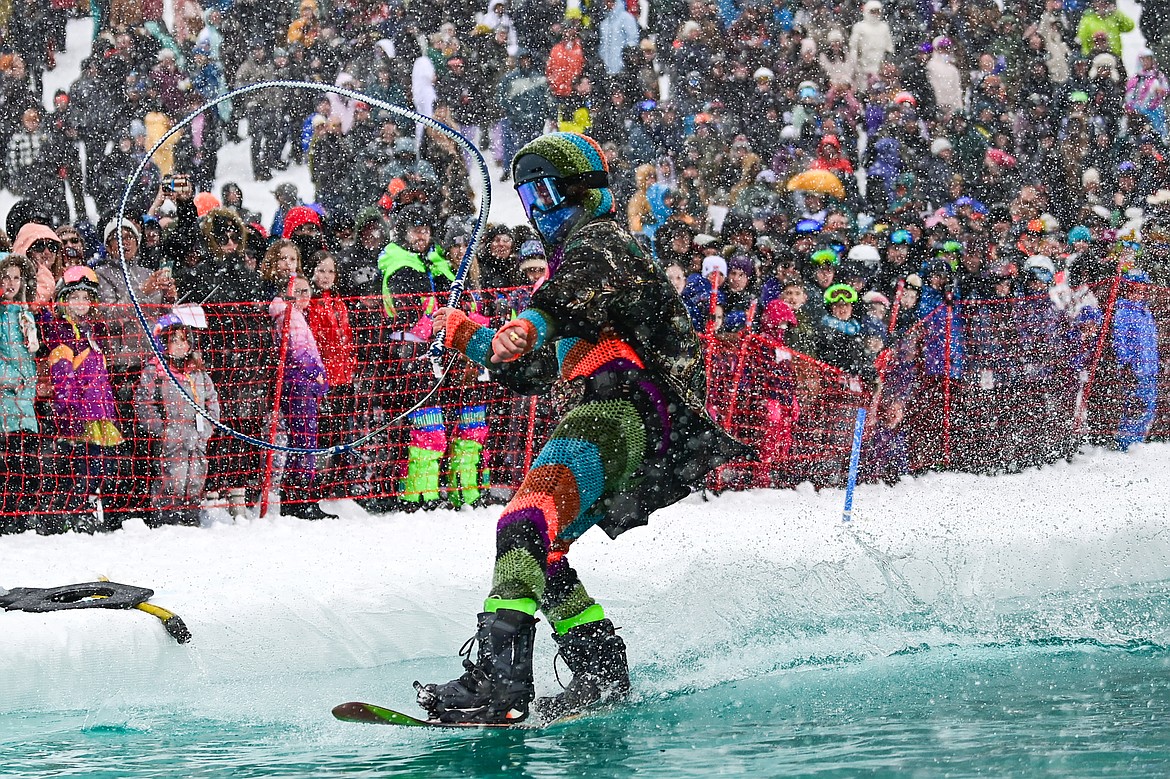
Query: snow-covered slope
[774,575]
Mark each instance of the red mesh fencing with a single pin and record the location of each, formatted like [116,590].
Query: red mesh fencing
[984,386]
[795,412]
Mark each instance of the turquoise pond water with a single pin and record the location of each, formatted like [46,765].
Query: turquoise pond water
[1039,700]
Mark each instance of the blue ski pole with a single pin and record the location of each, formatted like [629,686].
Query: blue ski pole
[854,458]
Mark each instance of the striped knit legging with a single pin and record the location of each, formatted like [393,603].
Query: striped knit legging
[592,454]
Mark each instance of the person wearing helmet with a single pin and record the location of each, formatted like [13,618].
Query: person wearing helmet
[640,438]
[1039,272]
[84,414]
[1044,351]
[840,337]
[416,276]
[821,272]
[182,432]
[892,268]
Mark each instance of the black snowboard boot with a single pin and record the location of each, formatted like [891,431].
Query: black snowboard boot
[305,506]
[497,688]
[596,655]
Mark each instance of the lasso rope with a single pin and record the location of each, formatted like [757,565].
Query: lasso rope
[436,348]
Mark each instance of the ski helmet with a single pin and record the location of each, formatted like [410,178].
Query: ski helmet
[562,178]
[76,277]
[165,325]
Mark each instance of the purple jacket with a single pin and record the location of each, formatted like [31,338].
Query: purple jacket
[81,385]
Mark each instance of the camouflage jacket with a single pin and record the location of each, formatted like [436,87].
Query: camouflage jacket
[604,282]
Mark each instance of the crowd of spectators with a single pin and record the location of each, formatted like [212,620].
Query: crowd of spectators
[834,174]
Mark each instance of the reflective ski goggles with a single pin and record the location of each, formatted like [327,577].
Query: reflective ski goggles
[541,195]
[825,257]
[901,236]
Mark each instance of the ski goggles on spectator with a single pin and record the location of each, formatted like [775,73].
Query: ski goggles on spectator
[901,236]
[951,247]
[840,293]
[825,257]
[44,245]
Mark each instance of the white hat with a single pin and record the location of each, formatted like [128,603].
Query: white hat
[702,239]
[872,5]
[126,224]
[1144,52]
[836,36]
[714,263]
[763,73]
[865,253]
[939,145]
[1041,261]
[873,296]
[1104,61]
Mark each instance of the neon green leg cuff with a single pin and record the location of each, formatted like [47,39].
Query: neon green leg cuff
[591,614]
[527,605]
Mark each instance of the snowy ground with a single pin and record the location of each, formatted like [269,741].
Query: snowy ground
[283,597]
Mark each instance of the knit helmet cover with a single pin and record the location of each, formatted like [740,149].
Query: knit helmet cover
[572,154]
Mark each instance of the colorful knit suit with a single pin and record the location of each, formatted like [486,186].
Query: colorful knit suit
[609,318]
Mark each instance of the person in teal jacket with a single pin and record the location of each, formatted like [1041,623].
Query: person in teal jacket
[18,382]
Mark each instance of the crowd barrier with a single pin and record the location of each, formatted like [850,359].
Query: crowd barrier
[983,386]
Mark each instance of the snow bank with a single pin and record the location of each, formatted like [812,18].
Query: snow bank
[773,576]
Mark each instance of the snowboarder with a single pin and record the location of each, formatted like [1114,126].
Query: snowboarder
[607,317]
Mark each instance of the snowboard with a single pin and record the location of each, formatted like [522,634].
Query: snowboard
[368,713]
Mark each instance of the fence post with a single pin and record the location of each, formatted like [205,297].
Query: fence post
[736,378]
[897,304]
[854,460]
[1081,414]
[266,484]
[528,439]
[946,431]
